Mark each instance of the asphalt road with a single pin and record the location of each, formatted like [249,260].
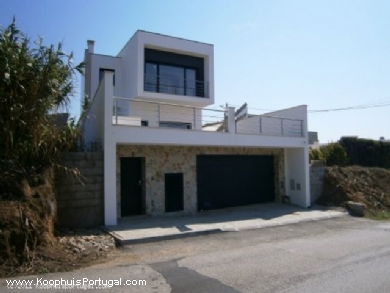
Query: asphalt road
[343,255]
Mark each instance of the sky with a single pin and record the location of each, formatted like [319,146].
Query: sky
[270,54]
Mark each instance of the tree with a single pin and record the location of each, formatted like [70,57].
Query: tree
[36,83]
[334,154]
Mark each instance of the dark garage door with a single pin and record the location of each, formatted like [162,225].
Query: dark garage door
[234,180]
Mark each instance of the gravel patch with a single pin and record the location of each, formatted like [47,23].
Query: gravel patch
[86,241]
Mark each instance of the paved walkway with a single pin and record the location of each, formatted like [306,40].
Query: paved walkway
[149,229]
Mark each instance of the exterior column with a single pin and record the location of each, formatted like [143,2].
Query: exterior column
[231,121]
[307,175]
[297,175]
[109,145]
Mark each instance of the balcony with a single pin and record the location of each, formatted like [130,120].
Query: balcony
[270,125]
[166,115]
[174,85]
[115,120]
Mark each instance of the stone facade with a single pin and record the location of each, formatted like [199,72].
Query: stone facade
[179,159]
[317,173]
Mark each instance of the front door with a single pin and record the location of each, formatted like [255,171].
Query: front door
[131,186]
[173,192]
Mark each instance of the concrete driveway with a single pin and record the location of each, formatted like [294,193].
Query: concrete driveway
[148,229]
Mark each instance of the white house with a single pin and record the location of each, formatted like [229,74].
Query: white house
[163,152]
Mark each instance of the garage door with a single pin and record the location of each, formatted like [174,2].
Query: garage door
[234,180]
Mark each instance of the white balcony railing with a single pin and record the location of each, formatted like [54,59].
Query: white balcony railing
[134,112]
[270,125]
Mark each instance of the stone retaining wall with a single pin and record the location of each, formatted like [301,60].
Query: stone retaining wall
[317,172]
[80,202]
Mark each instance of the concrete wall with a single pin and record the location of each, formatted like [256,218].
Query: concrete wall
[174,159]
[80,203]
[249,125]
[266,125]
[317,173]
[168,113]
[133,60]
[164,136]
[298,112]
[105,62]
[130,69]
[93,64]
[93,124]
[297,176]
[181,46]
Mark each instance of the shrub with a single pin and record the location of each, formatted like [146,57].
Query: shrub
[334,154]
[316,154]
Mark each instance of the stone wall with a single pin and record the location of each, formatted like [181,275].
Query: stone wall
[174,159]
[80,201]
[317,172]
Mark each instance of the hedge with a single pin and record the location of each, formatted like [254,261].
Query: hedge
[367,152]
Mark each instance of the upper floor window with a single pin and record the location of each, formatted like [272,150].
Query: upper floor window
[175,74]
[173,80]
[151,80]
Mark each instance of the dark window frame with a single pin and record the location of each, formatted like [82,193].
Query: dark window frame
[185,68]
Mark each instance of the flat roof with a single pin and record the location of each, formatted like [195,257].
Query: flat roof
[143,31]
[147,32]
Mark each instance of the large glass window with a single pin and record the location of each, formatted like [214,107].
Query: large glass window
[190,82]
[170,79]
[151,77]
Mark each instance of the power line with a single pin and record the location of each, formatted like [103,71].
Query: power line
[257,109]
[378,104]
[356,107]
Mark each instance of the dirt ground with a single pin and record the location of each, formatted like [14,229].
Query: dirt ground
[29,243]
[68,251]
[370,186]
